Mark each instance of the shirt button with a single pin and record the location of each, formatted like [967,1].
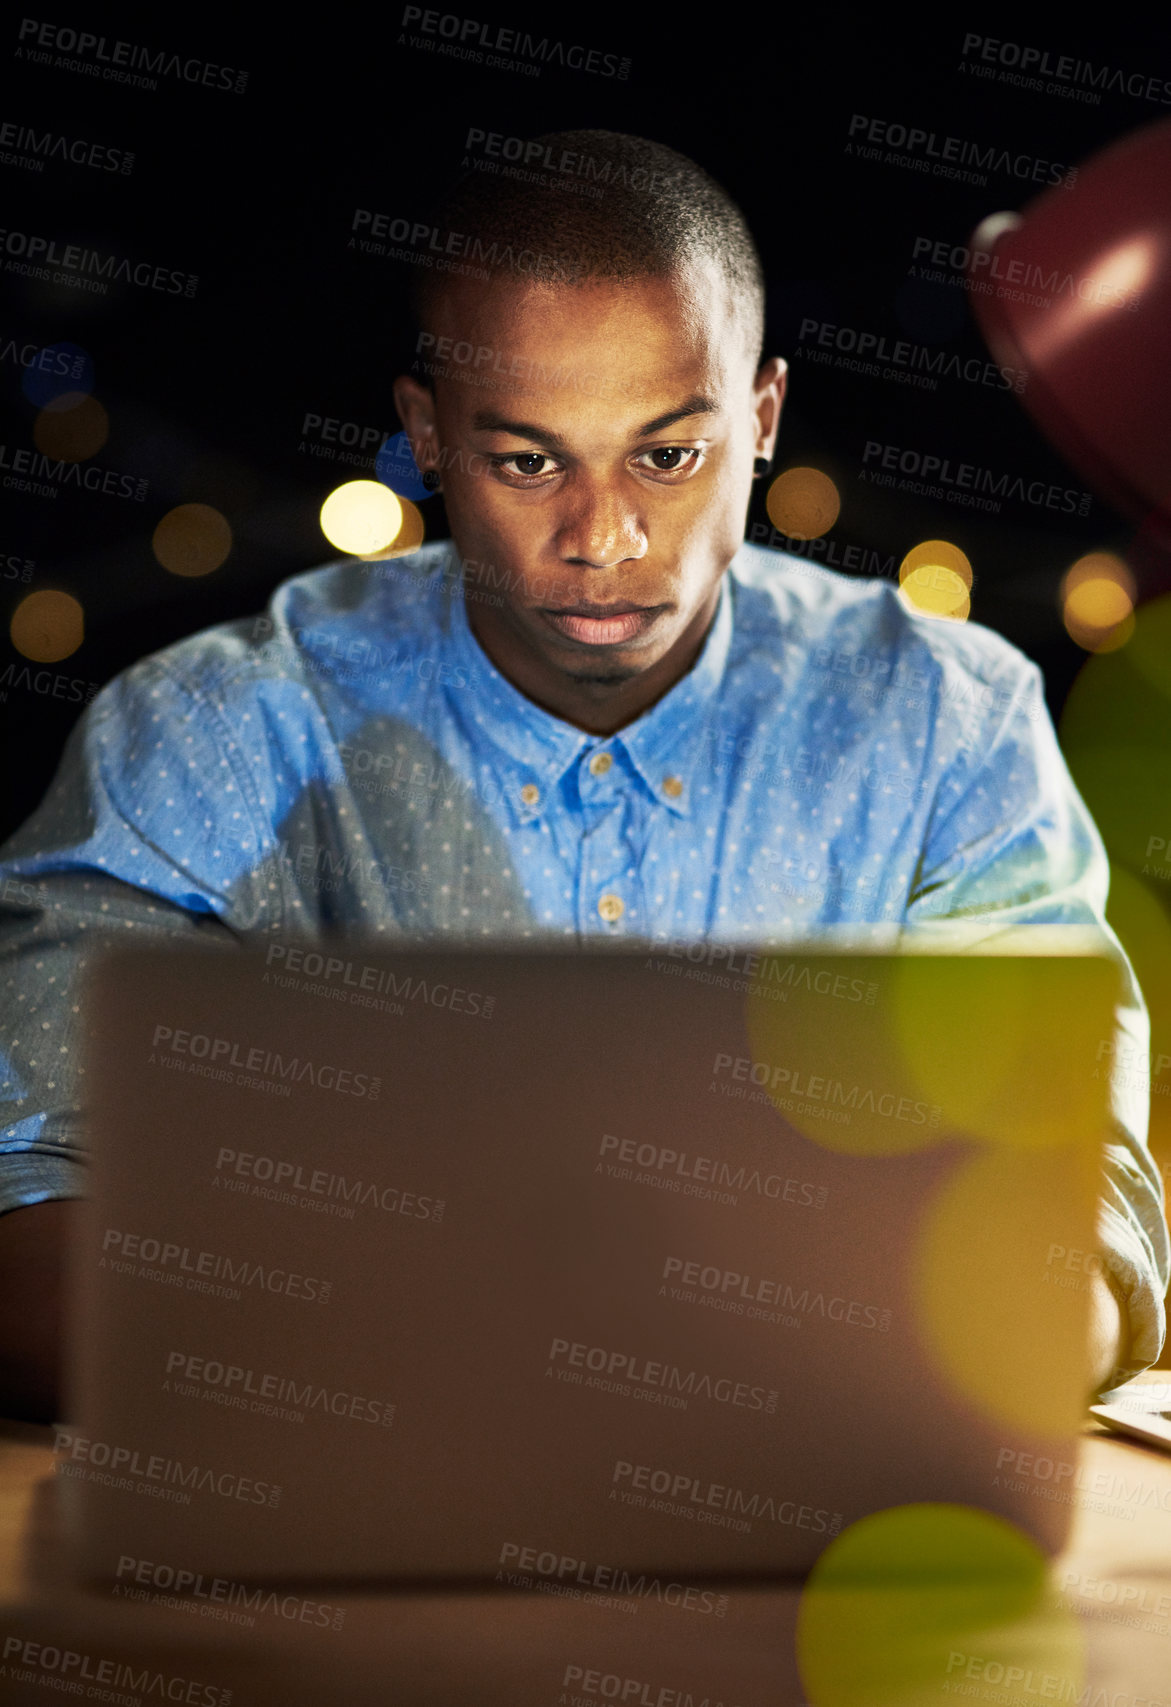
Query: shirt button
[673,786]
[600,764]
[530,794]
[611,907]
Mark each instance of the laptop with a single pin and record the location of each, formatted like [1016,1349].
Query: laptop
[573,1270]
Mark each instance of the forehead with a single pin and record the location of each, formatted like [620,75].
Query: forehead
[629,344]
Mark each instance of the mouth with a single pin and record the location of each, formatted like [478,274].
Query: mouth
[602,625]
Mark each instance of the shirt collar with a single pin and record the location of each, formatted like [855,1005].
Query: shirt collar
[663,745]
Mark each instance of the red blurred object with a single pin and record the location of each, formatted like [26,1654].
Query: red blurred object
[1095,340]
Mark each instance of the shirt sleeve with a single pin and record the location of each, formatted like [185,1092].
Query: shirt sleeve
[1011,842]
[123,846]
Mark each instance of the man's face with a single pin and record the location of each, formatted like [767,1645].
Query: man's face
[597,486]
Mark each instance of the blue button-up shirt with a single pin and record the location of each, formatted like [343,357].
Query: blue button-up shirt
[351,762]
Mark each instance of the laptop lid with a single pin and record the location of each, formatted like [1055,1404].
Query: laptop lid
[575,1269]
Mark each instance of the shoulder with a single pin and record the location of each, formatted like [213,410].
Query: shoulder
[855,629]
[315,621]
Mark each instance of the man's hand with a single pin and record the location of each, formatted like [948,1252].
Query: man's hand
[33,1246]
[1109,1333]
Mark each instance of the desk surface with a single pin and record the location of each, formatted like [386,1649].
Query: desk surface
[1112,1583]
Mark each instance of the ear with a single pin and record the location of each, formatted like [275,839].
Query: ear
[416,410]
[768,394]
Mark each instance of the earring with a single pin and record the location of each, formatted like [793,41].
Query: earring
[760,467]
[431,479]
[396,467]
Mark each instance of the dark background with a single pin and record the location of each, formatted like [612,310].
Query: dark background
[255,194]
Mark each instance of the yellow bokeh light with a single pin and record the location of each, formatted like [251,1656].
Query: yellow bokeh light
[192,539]
[47,626]
[803,503]
[935,590]
[1113,732]
[1098,604]
[982,1040]
[935,578]
[1097,566]
[1137,911]
[362,518]
[989,1236]
[71,428]
[936,553]
[1005,1044]
[1097,601]
[409,536]
[908,1602]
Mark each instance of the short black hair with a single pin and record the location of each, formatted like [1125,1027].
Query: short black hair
[593,204]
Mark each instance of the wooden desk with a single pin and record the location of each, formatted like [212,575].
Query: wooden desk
[539,1650]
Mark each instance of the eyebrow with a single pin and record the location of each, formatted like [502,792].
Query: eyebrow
[487,421]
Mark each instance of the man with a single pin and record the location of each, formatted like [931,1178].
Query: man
[597,714]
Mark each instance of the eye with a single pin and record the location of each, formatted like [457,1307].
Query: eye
[678,460]
[524,466]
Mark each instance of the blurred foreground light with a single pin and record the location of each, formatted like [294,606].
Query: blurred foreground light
[937,554]
[47,626]
[1097,602]
[903,1597]
[1097,349]
[803,503]
[192,539]
[71,428]
[409,536]
[1113,732]
[935,578]
[362,517]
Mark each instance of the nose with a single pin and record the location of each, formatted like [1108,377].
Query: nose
[601,527]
